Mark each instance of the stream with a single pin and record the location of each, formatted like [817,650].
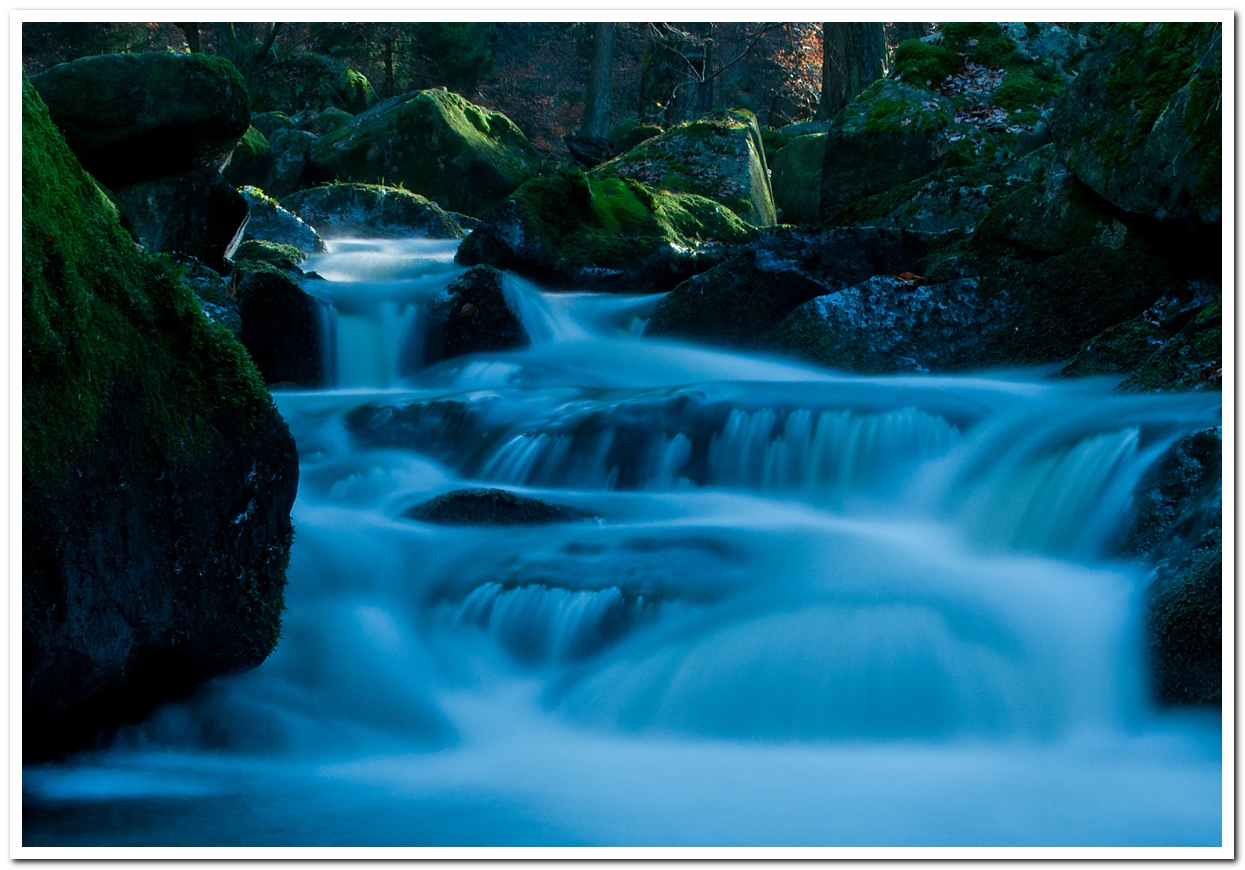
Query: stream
[805,608]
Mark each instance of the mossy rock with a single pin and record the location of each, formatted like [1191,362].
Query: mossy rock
[475,317]
[290,148]
[157,476]
[280,325]
[629,133]
[268,123]
[573,229]
[1190,360]
[721,158]
[950,200]
[333,119]
[311,81]
[797,179]
[918,61]
[434,143]
[371,211]
[270,222]
[1141,123]
[251,161]
[137,117]
[285,257]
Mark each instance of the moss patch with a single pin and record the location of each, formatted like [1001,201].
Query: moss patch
[917,62]
[281,256]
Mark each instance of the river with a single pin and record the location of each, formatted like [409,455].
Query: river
[805,607]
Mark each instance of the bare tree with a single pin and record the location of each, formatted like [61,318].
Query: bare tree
[852,58]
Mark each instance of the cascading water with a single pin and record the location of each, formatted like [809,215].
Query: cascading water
[803,608]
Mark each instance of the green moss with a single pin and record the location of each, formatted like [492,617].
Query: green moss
[253,143]
[97,313]
[214,66]
[982,41]
[282,256]
[1149,71]
[774,142]
[888,106]
[918,62]
[1202,123]
[1023,88]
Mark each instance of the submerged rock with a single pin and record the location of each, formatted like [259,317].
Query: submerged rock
[136,117]
[475,318]
[492,507]
[578,230]
[157,477]
[433,143]
[280,325]
[270,222]
[371,211]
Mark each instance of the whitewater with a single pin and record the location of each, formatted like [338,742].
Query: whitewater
[803,607]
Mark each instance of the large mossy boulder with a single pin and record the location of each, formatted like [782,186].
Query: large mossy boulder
[797,179]
[251,161]
[605,233]
[157,476]
[281,325]
[475,317]
[434,143]
[1141,123]
[740,300]
[198,213]
[721,158]
[137,117]
[270,222]
[371,211]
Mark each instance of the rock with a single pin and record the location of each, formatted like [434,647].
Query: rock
[312,81]
[285,257]
[890,134]
[371,211]
[281,325]
[492,507]
[270,222]
[475,318]
[251,161]
[1060,45]
[603,233]
[333,119]
[213,292]
[887,324]
[1190,360]
[467,222]
[797,179]
[268,123]
[433,143]
[289,149]
[739,301]
[137,117]
[157,476]
[629,133]
[1141,125]
[721,158]
[198,213]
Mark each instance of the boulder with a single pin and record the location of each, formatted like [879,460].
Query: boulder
[492,507]
[157,476]
[740,300]
[212,290]
[333,119]
[270,222]
[371,211]
[474,318]
[285,257]
[289,147]
[629,133]
[721,158]
[251,161]
[312,81]
[268,123]
[433,143]
[137,117]
[198,213]
[603,233]
[797,179]
[1141,123]
[281,325]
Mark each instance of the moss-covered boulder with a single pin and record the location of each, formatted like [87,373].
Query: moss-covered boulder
[270,222]
[1141,123]
[797,179]
[491,507]
[312,81]
[268,123]
[285,257]
[629,133]
[474,318]
[157,477]
[212,289]
[434,143]
[198,213]
[739,301]
[281,325]
[137,117]
[606,233]
[721,158]
[333,119]
[251,161]
[289,148]
[371,211]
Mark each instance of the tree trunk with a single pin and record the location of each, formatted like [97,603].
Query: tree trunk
[596,120]
[851,60]
[192,36]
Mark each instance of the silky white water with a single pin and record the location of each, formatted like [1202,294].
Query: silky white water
[810,608]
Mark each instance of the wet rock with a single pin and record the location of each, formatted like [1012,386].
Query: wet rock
[251,161]
[433,143]
[213,292]
[475,318]
[280,325]
[371,211]
[157,477]
[492,507]
[270,222]
[797,179]
[739,301]
[137,117]
[590,232]
[198,213]
[286,257]
[721,158]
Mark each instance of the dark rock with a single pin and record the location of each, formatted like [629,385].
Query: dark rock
[1140,125]
[433,143]
[467,222]
[213,292]
[270,222]
[281,325]
[289,149]
[199,214]
[307,81]
[740,300]
[136,117]
[629,133]
[492,507]
[268,123]
[333,119]
[251,161]
[475,318]
[797,179]
[588,151]
[371,211]
[157,477]
[286,257]
[1190,360]
[591,232]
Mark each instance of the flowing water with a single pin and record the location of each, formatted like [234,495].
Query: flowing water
[808,608]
